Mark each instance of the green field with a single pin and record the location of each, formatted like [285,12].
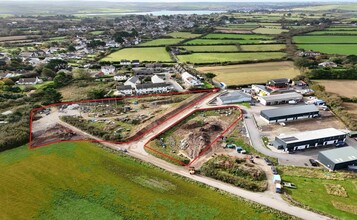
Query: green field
[312,190]
[161,42]
[343,49]
[343,7]
[226,57]
[269,30]
[263,47]
[238,36]
[341,29]
[334,32]
[96,33]
[212,48]
[223,41]
[245,74]
[84,181]
[183,35]
[325,39]
[142,54]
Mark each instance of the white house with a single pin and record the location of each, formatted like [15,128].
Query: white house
[34,61]
[156,79]
[107,70]
[124,90]
[132,81]
[120,77]
[29,81]
[125,62]
[190,80]
[149,88]
[327,64]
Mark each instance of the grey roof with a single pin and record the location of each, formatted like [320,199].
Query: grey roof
[300,109]
[341,155]
[124,87]
[282,96]
[311,135]
[152,85]
[234,96]
[22,80]
[133,79]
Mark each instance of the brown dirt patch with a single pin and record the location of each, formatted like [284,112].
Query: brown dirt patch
[345,207]
[336,190]
[345,88]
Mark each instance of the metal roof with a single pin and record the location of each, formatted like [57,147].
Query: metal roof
[341,155]
[152,85]
[311,135]
[234,96]
[282,96]
[286,111]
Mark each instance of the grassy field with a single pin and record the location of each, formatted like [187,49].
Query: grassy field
[212,48]
[334,32]
[341,29]
[325,39]
[251,73]
[343,7]
[343,49]
[160,42]
[269,30]
[345,88]
[223,41]
[96,33]
[142,54]
[263,47]
[224,57]
[83,181]
[351,108]
[313,190]
[183,35]
[238,36]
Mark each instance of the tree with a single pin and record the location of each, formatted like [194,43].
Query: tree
[71,48]
[62,79]
[210,75]
[46,72]
[96,94]
[80,73]
[8,82]
[56,65]
[50,95]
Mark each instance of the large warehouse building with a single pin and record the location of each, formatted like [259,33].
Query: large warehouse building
[234,97]
[339,158]
[290,113]
[309,139]
[280,98]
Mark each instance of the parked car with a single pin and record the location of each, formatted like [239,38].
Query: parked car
[313,162]
[269,163]
[289,185]
[275,171]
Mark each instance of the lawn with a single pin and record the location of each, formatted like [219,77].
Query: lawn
[312,190]
[238,36]
[334,32]
[215,48]
[224,41]
[96,33]
[226,57]
[161,42]
[142,54]
[269,30]
[343,49]
[251,73]
[263,47]
[325,39]
[183,35]
[345,88]
[84,181]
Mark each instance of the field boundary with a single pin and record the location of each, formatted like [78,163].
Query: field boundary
[209,145]
[132,139]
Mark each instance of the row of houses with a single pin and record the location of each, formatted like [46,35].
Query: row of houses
[143,89]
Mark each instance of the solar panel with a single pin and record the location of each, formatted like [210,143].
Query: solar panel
[287,139]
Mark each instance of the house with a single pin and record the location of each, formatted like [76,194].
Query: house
[261,90]
[156,79]
[29,81]
[143,71]
[132,81]
[153,65]
[308,53]
[33,61]
[287,114]
[309,139]
[125,62]
[339,158]
[120,77]
[327,64]
[135,62]
[234,97]
[282,83]
[191,80]
[124,90]
[149,88]
[280,98]
[107,70]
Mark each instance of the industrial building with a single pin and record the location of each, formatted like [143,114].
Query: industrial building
[309,139]
[280,98]
[234,97]
[290,113]
[339,158]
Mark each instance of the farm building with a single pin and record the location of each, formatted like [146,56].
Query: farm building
[234,97]
[309,139]
[280,98]
[290,113]
[278,83]
[339,158]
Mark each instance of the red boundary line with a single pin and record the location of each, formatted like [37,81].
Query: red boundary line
[208,146]
[134,138]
